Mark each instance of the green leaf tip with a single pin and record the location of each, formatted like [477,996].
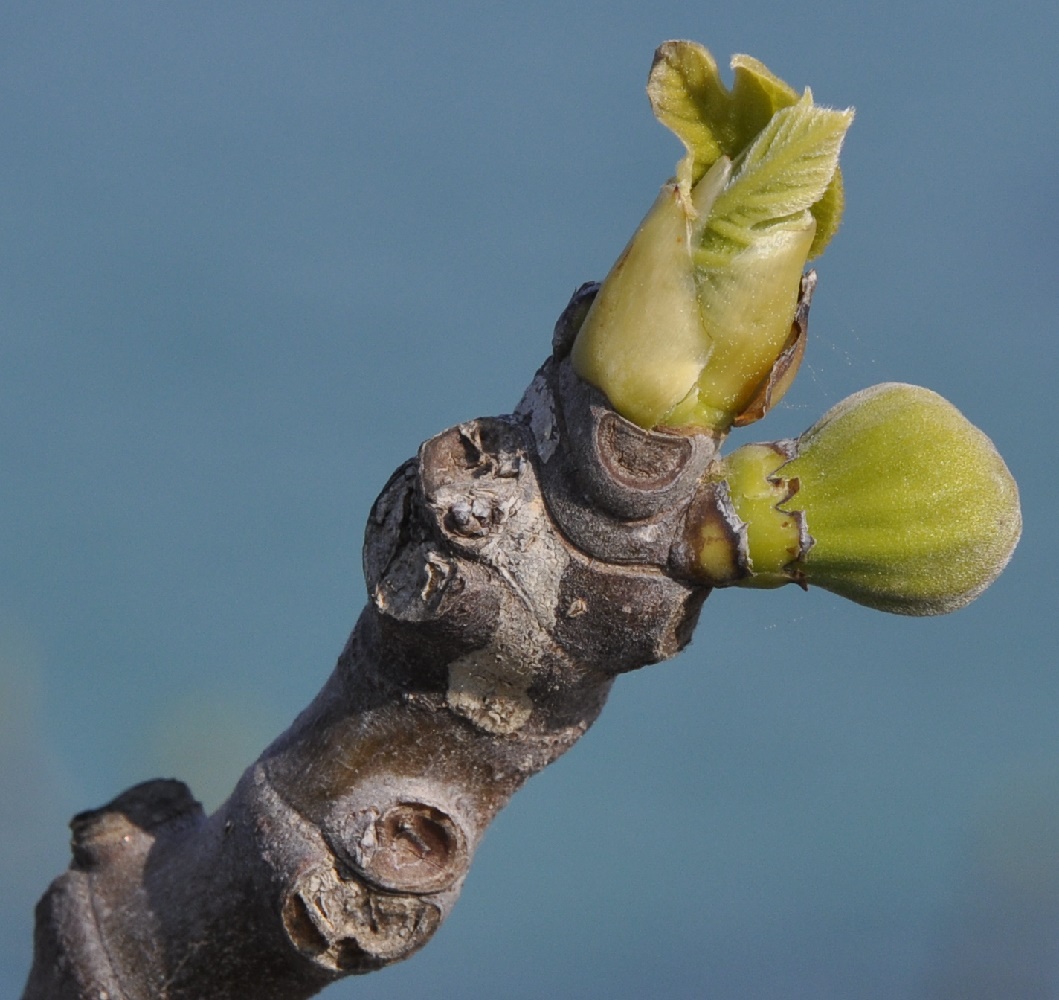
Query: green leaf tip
[688,96]
[697,312]
[893,500]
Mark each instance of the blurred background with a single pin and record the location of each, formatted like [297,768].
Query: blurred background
[251,254]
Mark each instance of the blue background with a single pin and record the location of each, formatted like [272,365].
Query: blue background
[252,254]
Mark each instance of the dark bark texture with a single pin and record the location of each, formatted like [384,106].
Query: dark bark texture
[515,567]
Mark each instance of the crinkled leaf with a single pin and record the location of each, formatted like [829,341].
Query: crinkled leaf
[757,94]
[688,97]
[786,170]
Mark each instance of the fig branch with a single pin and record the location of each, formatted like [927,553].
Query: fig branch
[518,564]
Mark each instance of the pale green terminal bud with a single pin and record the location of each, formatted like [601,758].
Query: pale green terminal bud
[893,499]
[696,315]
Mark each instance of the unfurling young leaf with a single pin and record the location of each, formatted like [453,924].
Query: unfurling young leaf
[697,310]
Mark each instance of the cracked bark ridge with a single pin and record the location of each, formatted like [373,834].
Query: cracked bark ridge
[514,568]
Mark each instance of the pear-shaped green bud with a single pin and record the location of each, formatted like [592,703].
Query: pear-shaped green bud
[893,499]
[697,312]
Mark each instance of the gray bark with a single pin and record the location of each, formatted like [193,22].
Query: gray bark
[515,567]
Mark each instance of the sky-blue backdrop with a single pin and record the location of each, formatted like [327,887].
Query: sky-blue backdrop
[252,254]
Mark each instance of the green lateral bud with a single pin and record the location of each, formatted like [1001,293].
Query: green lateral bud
[893,499]
[697,312]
